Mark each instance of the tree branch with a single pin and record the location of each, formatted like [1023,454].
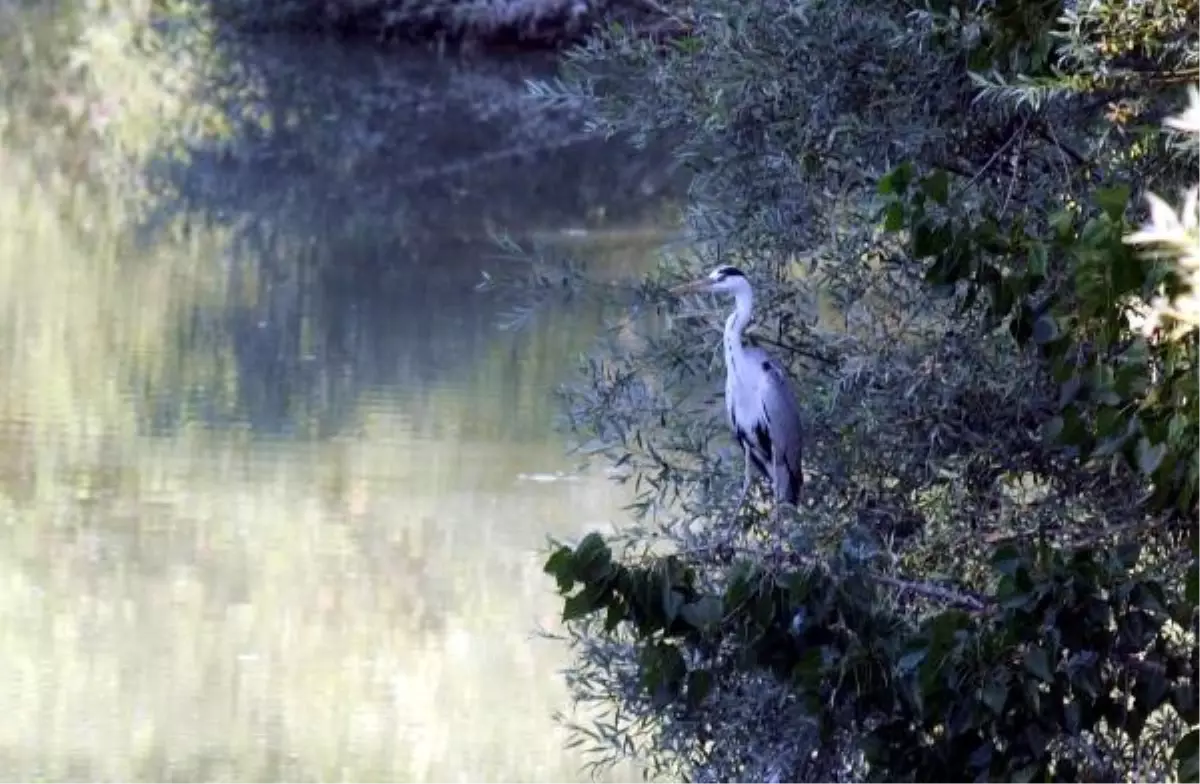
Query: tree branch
[971,601]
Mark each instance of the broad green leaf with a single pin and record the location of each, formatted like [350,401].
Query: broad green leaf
[1178,428]
[1037,662]
[910,661]
[1038,259]
[580,605]
[1192,591]
[614,616]
[1063,224]
[1187,756]
[937,186]
[1113,200]
[560,566]
[1045,329]
[672,603]
[705,613]
[1007,560]
[1149,456]
[699,684]
[896,181]
[995,695]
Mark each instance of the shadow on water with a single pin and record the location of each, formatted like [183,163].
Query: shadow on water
[266,490]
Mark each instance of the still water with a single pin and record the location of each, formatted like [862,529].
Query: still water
[272,493]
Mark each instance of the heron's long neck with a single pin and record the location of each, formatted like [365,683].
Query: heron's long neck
[734,350]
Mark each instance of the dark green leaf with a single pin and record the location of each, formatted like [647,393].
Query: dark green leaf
[910,661]
[1149,456]
[1045,329]
[1192,590]
[580,605]
[937,186]
[1113,200]
[1021,326]
[995,695]
[705,613]
[896,181]
[614,616]
[672,603]
[699,685]
[1128,554]
[1037,662]
[1063,224]
[560,566]
[1187,756]
[1038,259]
[1007,560]
[893,217]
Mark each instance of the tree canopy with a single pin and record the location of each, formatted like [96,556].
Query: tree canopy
[959,221]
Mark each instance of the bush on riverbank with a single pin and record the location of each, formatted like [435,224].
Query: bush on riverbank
[993,574]
[517,22]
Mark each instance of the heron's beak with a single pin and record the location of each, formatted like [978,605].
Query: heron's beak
[690,288]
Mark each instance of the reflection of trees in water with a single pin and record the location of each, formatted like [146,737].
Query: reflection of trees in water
[448,146]
[355,266]
[308,330]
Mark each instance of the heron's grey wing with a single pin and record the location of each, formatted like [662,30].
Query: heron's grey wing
[782,415]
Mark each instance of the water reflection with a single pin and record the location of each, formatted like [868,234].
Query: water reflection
[262,484]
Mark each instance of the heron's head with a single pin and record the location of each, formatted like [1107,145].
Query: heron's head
[722,280]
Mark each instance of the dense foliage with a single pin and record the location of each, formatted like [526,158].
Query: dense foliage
[523,23]
[993,573]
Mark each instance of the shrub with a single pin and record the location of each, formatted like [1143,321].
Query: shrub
[993,574]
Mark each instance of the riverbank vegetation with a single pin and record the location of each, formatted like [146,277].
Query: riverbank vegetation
[973,230]
[491,23]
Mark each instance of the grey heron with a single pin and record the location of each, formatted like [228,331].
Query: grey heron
[759,399]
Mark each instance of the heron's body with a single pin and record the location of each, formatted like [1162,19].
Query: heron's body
[759,401]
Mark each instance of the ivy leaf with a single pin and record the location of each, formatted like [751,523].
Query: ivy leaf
[995,695]
[1192,591]
[1007,560]
[699,684]
[1187,756]
[1045,329]
[1149,456]
[614,616]
[1113,200]
[896,181]
[593,559]
[1037,662]
[937,186]
[1039,260]
[561,566]
[910,661]
[705,613]
[663,671]
[580,605]
[1063,224]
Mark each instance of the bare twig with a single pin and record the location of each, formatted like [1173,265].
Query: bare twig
[1017,134]
[971,601]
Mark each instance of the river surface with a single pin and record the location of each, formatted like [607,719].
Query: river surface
[274,492]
